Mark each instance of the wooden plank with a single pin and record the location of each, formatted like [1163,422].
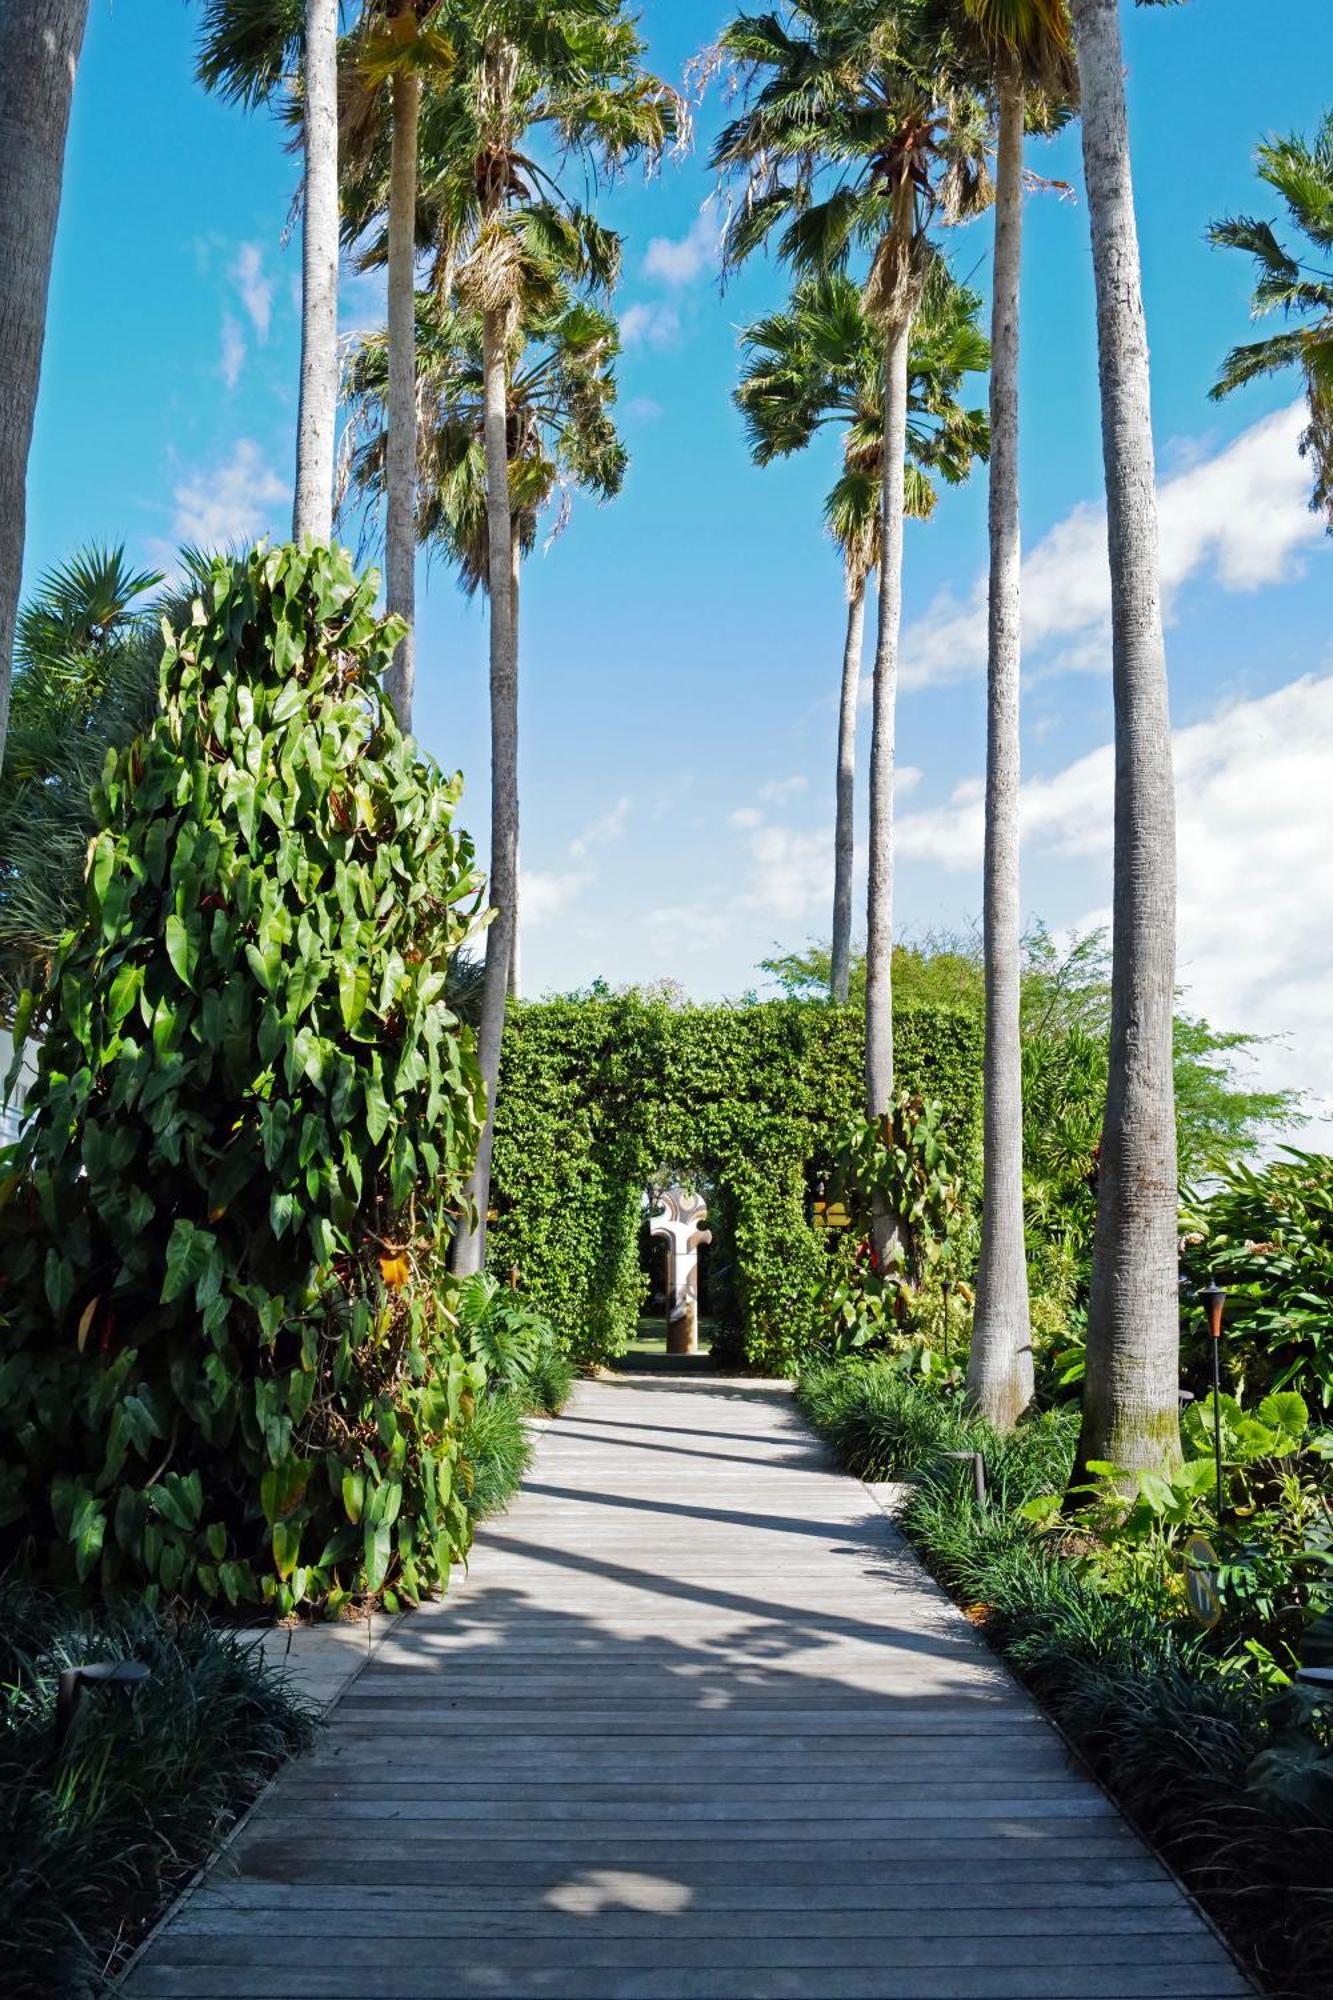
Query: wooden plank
[459,1978]
[695,1726]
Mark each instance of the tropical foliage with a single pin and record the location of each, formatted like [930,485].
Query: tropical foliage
[1265,1234]
[228,1366]
[1296,285]
[560,432]
[85,681]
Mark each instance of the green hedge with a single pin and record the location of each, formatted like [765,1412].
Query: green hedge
[600,1093]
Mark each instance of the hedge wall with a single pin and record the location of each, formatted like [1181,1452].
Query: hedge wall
[599,1095]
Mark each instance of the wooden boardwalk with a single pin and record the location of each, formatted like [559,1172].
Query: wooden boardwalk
[695,1727]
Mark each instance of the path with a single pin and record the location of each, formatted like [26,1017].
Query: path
[695,1727]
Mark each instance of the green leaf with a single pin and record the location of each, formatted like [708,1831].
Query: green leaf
[286,1546]
[353,993]
[377,1547]
[180,949]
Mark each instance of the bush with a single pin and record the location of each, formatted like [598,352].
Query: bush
[97,1839]
[1266,1234]
[550,1382]
[1186,1743]
[227,1368]
[494,1452]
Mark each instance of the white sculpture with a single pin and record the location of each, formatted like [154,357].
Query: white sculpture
[676,1216]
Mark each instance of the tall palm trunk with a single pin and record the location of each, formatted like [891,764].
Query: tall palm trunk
[844,837]
[1130,1396]
[39,53]
[470,1248]
[400,461]
[999,1370]
[879,890]
[515,954]
[316,421]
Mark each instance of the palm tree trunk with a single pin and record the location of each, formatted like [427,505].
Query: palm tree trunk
[400,460]
[879,890]
[470,1247]
[1130,1412]
[316,422]
[844,837]
[999,1369]
[515,957]
[39,54]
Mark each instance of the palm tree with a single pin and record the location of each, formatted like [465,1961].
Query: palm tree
[1026,58]
[86,655]
[400,46]
[569,70]
[559,431]
[853,136]
[38,58]
[249,50]
[1297,287]
[1130,1394]
[816,362]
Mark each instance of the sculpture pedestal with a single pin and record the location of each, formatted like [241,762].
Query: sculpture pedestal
[683,1332]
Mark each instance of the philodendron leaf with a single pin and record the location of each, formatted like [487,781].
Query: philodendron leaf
[180,949]
[353,993]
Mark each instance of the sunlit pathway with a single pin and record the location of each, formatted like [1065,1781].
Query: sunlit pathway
[695,1725]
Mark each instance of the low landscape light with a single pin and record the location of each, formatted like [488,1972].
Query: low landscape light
[106,1673]
[978,1464]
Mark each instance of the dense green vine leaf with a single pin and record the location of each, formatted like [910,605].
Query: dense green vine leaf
[249,1080]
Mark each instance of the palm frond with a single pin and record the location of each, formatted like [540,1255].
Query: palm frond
[249,49]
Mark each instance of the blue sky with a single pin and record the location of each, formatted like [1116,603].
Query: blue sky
[681,647]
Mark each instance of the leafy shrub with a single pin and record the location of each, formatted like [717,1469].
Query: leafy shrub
[1266,1234]
[498,1331]
[550,1382]
[95,1841]
[1272,1565]
[494,1452]
[227,1368]
[907,1166]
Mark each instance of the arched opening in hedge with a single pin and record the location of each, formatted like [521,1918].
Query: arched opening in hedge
[600,1095]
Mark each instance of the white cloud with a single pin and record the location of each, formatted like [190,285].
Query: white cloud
[1255,864]
[609,827]
[680,260]
[543,895]
[256,292]
[746,817]
[232,359]
[649,326]
[684,930]
[1241,513]
[643,409]
[791,872]
[779,790]
[229,503]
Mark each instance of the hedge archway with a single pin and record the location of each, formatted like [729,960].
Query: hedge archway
[600,1092]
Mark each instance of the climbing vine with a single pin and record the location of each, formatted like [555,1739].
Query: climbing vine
[226,1367]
